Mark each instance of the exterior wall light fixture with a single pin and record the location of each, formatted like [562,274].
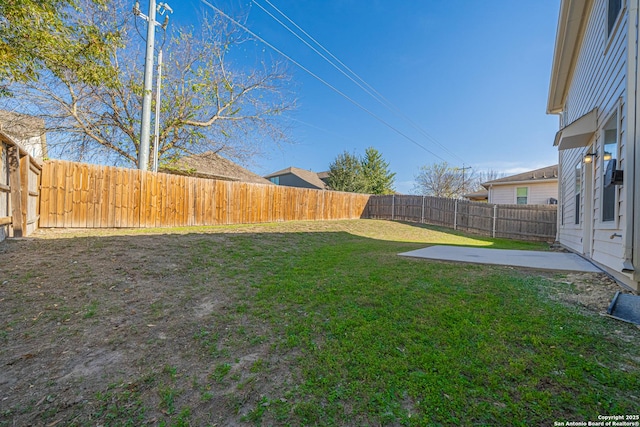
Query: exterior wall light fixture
[588,158]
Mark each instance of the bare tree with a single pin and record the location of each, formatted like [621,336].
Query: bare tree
[208,103]
[443,180]
[485,176]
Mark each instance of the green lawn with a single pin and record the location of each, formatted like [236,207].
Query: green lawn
[323,324]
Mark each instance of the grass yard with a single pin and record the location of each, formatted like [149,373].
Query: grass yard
[300,324]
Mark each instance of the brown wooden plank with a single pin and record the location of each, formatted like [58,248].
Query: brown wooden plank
[85,183]
[206,190]
[13,160]
[96,199]
[127,198]
[58,199]
[136,198]
[68,198]
[76,184]
[45,195]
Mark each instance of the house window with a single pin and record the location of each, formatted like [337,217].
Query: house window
[613,11]
[609,153]
[275,180]
[521,195]
[578,189]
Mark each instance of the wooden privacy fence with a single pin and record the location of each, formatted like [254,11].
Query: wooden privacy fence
[524,222]
[19,186]
[80,195]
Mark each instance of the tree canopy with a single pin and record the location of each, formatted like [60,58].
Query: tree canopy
[369,174]
[209,102]
[54,35]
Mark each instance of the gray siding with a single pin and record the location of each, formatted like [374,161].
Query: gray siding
[291,180]
[599,80]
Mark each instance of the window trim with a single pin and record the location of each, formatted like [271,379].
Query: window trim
[614,222]
[527,202]
[612,24]
[610,35]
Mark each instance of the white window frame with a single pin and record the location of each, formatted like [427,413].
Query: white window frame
[612,21]
[528,191]
[614,222]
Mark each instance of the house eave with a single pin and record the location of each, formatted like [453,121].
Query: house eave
[571,23]
[528,182]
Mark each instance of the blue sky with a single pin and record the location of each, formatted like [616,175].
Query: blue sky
[472,74]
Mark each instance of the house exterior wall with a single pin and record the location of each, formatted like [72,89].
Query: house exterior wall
[291,180]
[539,193]
[599,80]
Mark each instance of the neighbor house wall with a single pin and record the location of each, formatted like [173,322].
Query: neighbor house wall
[291,180]
[539,193]
[598,80]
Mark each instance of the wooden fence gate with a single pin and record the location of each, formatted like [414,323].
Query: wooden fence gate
[19,190]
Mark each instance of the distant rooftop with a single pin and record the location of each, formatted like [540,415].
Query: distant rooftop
[306,175]
[542,174]
[213,166]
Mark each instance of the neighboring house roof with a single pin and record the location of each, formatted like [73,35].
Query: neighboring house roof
[213,166]
[305,175]
[477,195]
[324,176]
[549,173]
[28,131]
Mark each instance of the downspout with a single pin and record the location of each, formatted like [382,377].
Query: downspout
[561,193]
[631,234]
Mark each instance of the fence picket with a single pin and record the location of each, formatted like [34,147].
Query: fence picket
[525,222]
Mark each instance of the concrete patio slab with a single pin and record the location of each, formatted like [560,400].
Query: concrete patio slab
[561,261]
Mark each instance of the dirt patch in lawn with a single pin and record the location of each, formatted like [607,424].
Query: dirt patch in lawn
[152,328]
[130,328]
[589,290]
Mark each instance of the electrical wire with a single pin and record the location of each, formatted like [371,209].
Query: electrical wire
[369,89]
[312,74]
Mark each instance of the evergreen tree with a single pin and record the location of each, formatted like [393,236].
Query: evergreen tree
[369,174]
[345,174]
[378,178]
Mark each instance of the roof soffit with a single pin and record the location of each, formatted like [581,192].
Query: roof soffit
[579,133]
[572,23]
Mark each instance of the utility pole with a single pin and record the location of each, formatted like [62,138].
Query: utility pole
[463,179]
[145,123]
[156,133]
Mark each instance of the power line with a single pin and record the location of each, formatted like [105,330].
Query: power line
[369,89]
[372,114]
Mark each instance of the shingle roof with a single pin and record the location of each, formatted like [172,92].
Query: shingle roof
[21,125]
[548,173]
[213,166]
[480,194]
[306,175]
[323,175]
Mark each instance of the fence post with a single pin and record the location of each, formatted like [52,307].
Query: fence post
[393,207]
[495,215]
[455,216]
[422,217]
[17,217]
